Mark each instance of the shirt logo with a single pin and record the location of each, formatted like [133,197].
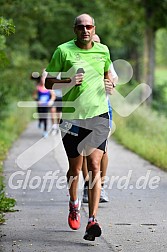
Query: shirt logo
[99,58]
[77,56]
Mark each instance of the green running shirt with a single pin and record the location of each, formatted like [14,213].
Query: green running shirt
[88,99]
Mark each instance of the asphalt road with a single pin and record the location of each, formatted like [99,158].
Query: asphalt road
[135,219]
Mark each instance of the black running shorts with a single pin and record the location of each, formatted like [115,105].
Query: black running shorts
[78,134]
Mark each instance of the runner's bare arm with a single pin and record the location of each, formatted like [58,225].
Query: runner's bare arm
[108,82]
[50,81]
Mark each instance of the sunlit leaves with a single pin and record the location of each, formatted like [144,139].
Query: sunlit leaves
[6,27]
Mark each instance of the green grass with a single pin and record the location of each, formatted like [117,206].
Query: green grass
[160,91]
[160,75]
[10,128]
[145,133]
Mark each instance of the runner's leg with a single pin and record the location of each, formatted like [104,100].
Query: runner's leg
[93,161]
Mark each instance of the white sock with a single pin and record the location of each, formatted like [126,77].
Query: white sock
[91,219]
[75,202]
[55,126]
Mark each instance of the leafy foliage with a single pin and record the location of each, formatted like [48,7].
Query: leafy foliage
[6,205]
[6,27]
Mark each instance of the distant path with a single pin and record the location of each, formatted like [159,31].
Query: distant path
[135,220]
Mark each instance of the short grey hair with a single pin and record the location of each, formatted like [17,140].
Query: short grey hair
[76,19]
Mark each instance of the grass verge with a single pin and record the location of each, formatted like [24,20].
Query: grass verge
[15,122]
[145,133]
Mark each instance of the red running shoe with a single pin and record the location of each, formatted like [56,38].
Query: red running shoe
[92,230]
[74,216]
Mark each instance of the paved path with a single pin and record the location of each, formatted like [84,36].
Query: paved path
[135,219]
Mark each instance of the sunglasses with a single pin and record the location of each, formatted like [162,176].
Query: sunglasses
[81,27]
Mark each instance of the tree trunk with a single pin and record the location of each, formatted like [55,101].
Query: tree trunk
[135,61]
[149,60]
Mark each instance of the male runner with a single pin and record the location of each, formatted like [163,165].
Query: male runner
[85,120]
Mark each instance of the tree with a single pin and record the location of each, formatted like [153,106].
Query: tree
[140,18]
[125,26]
[155,18]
